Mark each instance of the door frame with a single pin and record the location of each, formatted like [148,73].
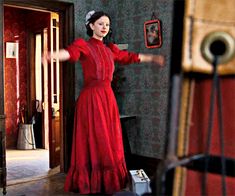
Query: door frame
[67,76]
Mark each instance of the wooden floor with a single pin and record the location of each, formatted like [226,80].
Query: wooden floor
[50,186]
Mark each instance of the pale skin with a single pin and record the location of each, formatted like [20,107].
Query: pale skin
[100,29]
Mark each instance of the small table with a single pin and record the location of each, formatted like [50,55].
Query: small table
[125,118]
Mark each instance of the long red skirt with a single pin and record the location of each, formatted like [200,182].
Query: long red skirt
[97,160]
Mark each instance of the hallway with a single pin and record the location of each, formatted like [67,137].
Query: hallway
[23,165]
[28,173]
[46,186]
[25,168]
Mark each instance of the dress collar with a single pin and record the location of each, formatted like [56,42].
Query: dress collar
[96,41]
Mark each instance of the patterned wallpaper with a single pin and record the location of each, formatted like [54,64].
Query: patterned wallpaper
[14,29]
[145,89]
[146,86]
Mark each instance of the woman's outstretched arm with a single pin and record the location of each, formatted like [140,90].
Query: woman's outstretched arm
[62,55]
[152,58]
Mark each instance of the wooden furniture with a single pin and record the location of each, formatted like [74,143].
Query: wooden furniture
[125,118]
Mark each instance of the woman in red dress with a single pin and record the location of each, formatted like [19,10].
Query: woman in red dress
[97,160]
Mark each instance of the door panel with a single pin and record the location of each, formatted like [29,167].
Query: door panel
[46,94]
[54,95]
[50,93]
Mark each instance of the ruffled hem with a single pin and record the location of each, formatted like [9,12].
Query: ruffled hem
[106,181]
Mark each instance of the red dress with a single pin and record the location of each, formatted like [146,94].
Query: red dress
[97,160]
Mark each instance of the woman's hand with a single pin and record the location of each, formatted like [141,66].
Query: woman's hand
[61,55]
[158,59]
[152,58]
[46,58]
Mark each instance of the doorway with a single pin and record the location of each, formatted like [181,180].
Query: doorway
[36,96]
[65,12]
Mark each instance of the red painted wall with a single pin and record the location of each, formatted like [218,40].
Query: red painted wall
[17,23]
[14,29]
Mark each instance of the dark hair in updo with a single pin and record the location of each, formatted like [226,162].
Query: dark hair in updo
[92,20]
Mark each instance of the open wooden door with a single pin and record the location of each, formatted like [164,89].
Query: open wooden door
[51,93]
[54,95]
[55,99]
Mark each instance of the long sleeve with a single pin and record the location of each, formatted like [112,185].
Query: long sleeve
[122,56]
[76,49]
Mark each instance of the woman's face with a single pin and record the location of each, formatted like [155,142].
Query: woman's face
[100,27]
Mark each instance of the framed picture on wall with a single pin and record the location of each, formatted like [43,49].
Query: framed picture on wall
[11,49]
[152,33]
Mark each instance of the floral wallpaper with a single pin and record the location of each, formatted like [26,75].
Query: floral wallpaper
[14,31]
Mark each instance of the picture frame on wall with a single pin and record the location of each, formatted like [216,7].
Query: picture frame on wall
[11,49]
[152,33]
